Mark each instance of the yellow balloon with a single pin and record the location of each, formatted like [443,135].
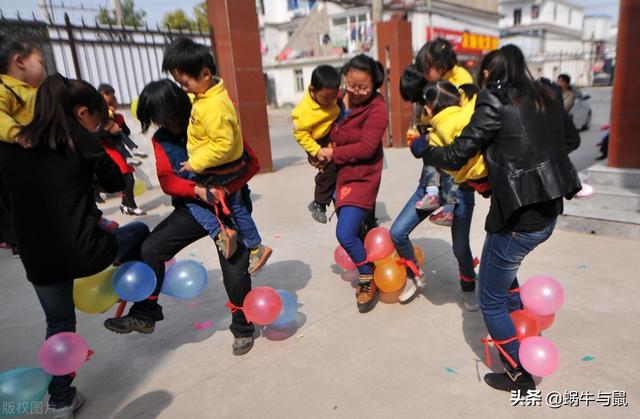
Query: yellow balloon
[419,255]
[134,107]
[95,293]
[139,187]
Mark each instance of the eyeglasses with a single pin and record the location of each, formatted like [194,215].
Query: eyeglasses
[362,90]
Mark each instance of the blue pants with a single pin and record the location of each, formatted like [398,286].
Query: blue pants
[350,221]
[502,256]
[57,302]
[240,215]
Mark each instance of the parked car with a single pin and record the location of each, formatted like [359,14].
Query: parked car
[581,110]
[602,79]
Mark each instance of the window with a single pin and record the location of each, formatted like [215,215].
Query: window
[299,80]
[292,4]
[535,11]
[517,16]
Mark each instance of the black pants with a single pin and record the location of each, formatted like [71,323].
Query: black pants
[325,184]
[127,193]
[6,225]
[173,234]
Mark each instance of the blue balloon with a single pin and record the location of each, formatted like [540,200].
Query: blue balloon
[185,279]
[21,390]
[134,281]
[289,309]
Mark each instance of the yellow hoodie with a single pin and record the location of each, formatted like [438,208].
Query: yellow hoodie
[213,135]
[457,76]
[312,121]
[446,126]
[13,114]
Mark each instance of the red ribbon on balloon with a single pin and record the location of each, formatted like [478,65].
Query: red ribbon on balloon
[498,344]
[232,307]
[410,264]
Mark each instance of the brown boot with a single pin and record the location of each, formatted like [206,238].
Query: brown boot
[367,293]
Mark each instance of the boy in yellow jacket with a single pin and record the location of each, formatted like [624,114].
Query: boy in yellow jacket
[214,142]
[312,121]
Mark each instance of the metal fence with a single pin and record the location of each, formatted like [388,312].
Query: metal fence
[126,57]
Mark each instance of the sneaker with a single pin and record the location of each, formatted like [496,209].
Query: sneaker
[409,292]
[133,162]
[140,154]
[128,324]
[367,293]
[68,412]
[227,242]
[520,380]
[318,212]
[470,301]
[258,257]
[443,218]
[242,345]
[428,203]
[132,211]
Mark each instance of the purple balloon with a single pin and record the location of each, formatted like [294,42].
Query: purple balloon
[63,353]
[542,295]
[538,356]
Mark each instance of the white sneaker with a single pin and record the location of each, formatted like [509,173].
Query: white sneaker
[133,162]
[409,292]
[140,154]
[68,412]
[470,301]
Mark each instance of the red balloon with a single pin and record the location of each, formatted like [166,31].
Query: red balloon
[378,243]
[545,322]
[343,259]
[526,323]
[262,305]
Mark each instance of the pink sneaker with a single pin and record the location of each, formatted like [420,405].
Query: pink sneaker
[443,218]
[428,203]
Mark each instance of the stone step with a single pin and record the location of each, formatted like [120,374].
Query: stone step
[611,197]
[586,219]
[611,176]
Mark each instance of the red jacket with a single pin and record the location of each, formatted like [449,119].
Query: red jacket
[176,186]
[357,153]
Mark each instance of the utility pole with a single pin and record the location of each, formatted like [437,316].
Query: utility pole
[376,11]
[117,6]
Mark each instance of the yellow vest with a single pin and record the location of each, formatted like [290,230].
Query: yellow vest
[312,121]
[13,115]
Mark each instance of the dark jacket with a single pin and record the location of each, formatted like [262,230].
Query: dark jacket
[357,153]
[54,211]
[526,152]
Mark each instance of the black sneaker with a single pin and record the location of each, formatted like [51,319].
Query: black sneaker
[242,345]
[128,324]
[318,212]
[520,380]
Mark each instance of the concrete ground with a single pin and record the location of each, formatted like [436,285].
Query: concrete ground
[420,360]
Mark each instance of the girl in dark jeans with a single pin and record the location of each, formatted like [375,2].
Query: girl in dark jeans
[164,104]
[56,172]
[524,134]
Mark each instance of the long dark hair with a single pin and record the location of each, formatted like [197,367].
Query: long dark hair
[507,67]
[368,65]
[9,48]
[439,96]
[56,101]
[163,103]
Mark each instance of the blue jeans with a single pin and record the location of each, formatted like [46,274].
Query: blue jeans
[502,256]
[240,215]
[350,221]
[447,188]
[405,223]
[57,302]
[462,215]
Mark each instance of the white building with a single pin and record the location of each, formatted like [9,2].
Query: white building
[299,35]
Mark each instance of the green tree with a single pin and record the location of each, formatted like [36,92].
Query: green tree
[130,16]
[178,19]
[202,21]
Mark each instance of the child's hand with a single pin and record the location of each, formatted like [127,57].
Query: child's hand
[412,135]
[185,167]
[325,155]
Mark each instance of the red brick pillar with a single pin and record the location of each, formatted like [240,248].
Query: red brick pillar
[395,53]
[624,141]
[236,40]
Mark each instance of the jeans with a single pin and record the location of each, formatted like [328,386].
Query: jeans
[173,234]
[502,256]
[462,214]
[240,215]
[348,230]
[405,223]
[57,302]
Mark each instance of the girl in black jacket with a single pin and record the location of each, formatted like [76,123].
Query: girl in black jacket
[50,186]
[524,134]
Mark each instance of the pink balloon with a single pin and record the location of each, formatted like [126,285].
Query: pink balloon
[378,243]
[262,305]
[542,295]
[343,259]
[538,356]
[63,353]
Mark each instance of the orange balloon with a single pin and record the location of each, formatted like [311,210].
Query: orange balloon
[526,323]
[390,297]
[390,276]
[394,256]
[417,250]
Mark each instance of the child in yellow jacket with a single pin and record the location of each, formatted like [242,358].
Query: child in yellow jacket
[312,121]
[214,143]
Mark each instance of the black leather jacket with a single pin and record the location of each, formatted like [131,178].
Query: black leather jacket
[526,151]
